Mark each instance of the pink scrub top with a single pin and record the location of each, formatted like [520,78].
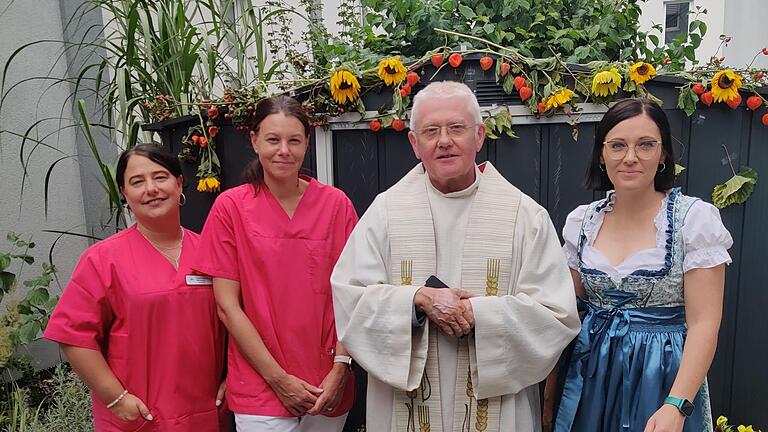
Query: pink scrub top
[160,335]
[284,268]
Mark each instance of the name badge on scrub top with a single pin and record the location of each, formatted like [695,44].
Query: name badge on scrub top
[199,280]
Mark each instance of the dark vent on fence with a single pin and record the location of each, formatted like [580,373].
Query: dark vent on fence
[489,93]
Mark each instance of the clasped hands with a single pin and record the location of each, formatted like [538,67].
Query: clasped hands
[448,308]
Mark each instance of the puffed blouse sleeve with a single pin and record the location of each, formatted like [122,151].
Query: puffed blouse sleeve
[571,231]
[706,240]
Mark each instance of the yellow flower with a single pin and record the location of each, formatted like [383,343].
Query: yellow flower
[208,184]
[344,86]
[392,71]
[725,85]
[606,82]
[641,72]
[743,428]
[559,98]
[722,421]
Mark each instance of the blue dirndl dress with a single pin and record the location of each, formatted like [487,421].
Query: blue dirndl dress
[628,352]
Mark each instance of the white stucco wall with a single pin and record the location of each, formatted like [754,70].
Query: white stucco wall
[745,22]
[23,22]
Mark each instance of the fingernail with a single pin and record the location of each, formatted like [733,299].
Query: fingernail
[149,417]
[218,402]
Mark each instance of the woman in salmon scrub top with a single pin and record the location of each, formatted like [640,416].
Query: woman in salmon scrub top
[270,246]
[135,323]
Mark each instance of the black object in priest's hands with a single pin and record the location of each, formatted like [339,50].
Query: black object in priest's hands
[434,282]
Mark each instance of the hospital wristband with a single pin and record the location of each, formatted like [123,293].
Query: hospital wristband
[117,400]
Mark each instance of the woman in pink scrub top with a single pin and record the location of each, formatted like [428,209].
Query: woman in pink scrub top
[135,323]
[270,246]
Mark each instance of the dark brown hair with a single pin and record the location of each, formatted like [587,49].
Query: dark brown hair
[153,152]
[254,172]
[624,109]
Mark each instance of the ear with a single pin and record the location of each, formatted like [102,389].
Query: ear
[480,136]
[602,160]
[414,144]
[180,182]
[253,136]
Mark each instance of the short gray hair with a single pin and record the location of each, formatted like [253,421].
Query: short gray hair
[444,90]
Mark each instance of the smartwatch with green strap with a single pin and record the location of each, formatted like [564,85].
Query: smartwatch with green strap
[683,405]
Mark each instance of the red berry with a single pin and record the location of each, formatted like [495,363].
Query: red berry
[707,98]
[407,89]
[455,59]
[519,83]
[412,78]
[505,69]
[398,125]
[525,93]
[194,138]
[212,131]
[213,112]
[437,60]
[759,75]
[486,62]
[541,107]
[735,102]
[754,102]
[403,93]
[765,119]
[698,88]
[765,51]
[375,125]
[203,142]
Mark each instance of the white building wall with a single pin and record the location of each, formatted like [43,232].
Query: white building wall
[23,22]
[744,20]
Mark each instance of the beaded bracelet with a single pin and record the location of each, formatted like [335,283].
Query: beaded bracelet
[116,401]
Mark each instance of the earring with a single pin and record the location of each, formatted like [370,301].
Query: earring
[182,200]
[602,167]
[663,167]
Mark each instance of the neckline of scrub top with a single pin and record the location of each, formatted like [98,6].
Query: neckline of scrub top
[184,242]
[297,211]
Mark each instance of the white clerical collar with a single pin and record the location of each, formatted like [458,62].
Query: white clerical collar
[458,194]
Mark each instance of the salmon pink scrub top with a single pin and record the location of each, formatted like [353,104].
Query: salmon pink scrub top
[157,329]
[284,267]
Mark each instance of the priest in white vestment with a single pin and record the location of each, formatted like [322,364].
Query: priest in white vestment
[466,350]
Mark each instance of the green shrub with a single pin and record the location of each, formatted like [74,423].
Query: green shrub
[68,406]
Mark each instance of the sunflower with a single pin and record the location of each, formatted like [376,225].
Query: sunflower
[641,72]
[208,184]
[606,82]
[725,85]
[558,98]
[392,71]
[344,86]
